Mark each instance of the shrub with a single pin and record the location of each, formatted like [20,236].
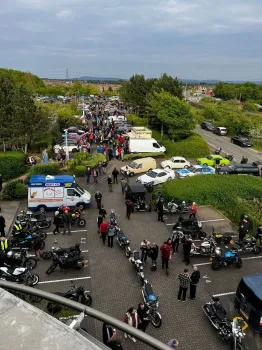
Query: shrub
[233,195]
[82,160]
[143,155]
[14,190]
[80,170]
[43,169]
[12,164]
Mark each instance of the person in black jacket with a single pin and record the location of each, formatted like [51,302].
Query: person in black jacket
[194,280]
[110,183]
[143,313]
[109,335]
[67,218]
[102,211]
[153,254]
[2,226]
[115,174]
[187,242]
[98,198]
[57,221]
[243,229]
[160,209]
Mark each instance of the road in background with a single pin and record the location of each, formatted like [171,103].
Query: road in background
[238,152]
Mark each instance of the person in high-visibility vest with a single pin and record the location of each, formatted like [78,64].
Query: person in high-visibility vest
[4,244]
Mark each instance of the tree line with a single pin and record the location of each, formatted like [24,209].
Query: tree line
[242,92]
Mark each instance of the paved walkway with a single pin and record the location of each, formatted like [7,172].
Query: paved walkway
[9,211]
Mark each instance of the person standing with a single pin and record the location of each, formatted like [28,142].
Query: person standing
[126,173]
[184,281]
[123,185]
[259,234]
[2,226]
[88,174]
[193,210]
[110,183]
[144,246]
[103,231]
[175,239]
[109,335]
[98,198]
[102,211]
[115,174]
[165,255]
[110,235]
[99,221]
[67,218]
[160,209]
[129,208]
[57,221]
[100,167]
[153,254]
[37,247]
[173,343]
[187,242]
[143,313]
[95,175]
[243,228]
[194,280]
[133,320]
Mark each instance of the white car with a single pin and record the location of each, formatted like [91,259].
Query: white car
[175,163]
[70,146]
[195,170]
[156,176]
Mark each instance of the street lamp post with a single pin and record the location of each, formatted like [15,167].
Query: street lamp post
[67,153]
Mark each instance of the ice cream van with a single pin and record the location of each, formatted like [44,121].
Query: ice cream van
[50,192]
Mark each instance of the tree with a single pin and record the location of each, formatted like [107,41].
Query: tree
[169,84]
[174,114]
[65,118]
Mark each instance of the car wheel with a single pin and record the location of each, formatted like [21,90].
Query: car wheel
[186,167]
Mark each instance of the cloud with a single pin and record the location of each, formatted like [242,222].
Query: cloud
[64,14]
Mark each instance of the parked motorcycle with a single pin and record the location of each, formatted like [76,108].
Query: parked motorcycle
[70,252]
[227,330]
[192,227]
[151,300]
[77,294]
[112,218]
[248,245]
[26,242]
[229,157]
[226,237]
[76,216]
[76,262]
[43,221]
[218,151]
[138,265]
[19,274]
[24,228]
[230,258]
[123,241]
[17,257]
[141,205]
[173,208]
[206,248]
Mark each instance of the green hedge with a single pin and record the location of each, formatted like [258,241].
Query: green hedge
[43,169]
[143,155]
[233,195]
[77,166]
[12,164]
[14,190]
[192,147]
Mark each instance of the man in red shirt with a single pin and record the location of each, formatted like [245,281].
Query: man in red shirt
[103,231]
[165,255]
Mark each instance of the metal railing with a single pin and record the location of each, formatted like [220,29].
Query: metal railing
[98,315]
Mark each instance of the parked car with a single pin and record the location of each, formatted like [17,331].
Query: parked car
[194,170]
[156,176]
[241,141]
[71,146]
[139,166]
[175,163]
[241,169]
[220,130]
[212,160]
[207,126]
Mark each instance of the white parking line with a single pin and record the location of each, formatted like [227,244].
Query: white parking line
[51,233]
[223,294]
[212,220]
[249,258]
[65,280]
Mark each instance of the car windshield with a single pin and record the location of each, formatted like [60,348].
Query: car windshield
[133,165]
[79,189]
[210,157]
[152,174]
[231,167]
[244,139]
[191,169]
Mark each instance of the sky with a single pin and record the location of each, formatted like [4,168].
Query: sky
[203,39]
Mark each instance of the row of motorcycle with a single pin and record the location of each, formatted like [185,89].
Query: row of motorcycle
[17,264]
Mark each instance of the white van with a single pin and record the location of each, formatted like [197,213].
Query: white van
[138,166]
[118,118]
[145,146]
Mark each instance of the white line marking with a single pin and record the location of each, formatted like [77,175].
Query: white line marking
[223,294]
[208,281]
[51,233]
[212,220]
[207,263]
[249,258]
[65,280]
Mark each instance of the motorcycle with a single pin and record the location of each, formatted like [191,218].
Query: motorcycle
[70,252]
[206,248]
[17,257]
[229,157]
[112,217]
[19,274]
[173,208]
[24,228]
[65,262]
[230,258]
[151,300]
[123,242]
[193,227]
[26,242]
[76,217]
[43,221]
[141,205]
[248,245]
[226,238]
[227,330]
[218,151]
[77,294]
[138,265]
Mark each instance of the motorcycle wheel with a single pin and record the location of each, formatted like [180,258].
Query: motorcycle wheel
[257,249]
[53,308]
[86,299]
[32,280]
[46,255]
[30,263]
[202,235]
[156,319]
[42,245]
[42,235]
[51,269]
[81,223]
[45,224]
[239,263]
[215,265]
[127,252]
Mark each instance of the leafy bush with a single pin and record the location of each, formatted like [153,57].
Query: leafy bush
[80,170]
[143,155]
[233,195]
[12,164]
[136,121]
[43,169]
[82,160]
[14,190]
[192,147]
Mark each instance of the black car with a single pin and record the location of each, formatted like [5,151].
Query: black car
[207,126]
[241,169]
[135,192]
[241,141]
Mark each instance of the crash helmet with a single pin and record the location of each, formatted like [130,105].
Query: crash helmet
[9,254]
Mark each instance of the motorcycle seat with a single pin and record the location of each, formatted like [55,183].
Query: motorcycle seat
[136,256]
[148,289]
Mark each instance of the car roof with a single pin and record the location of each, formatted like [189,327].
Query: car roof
[254,282]
[137,188]
[159,170]
[178,157]
[221,127]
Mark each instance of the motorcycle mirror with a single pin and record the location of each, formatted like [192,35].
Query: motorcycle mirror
[226,247]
